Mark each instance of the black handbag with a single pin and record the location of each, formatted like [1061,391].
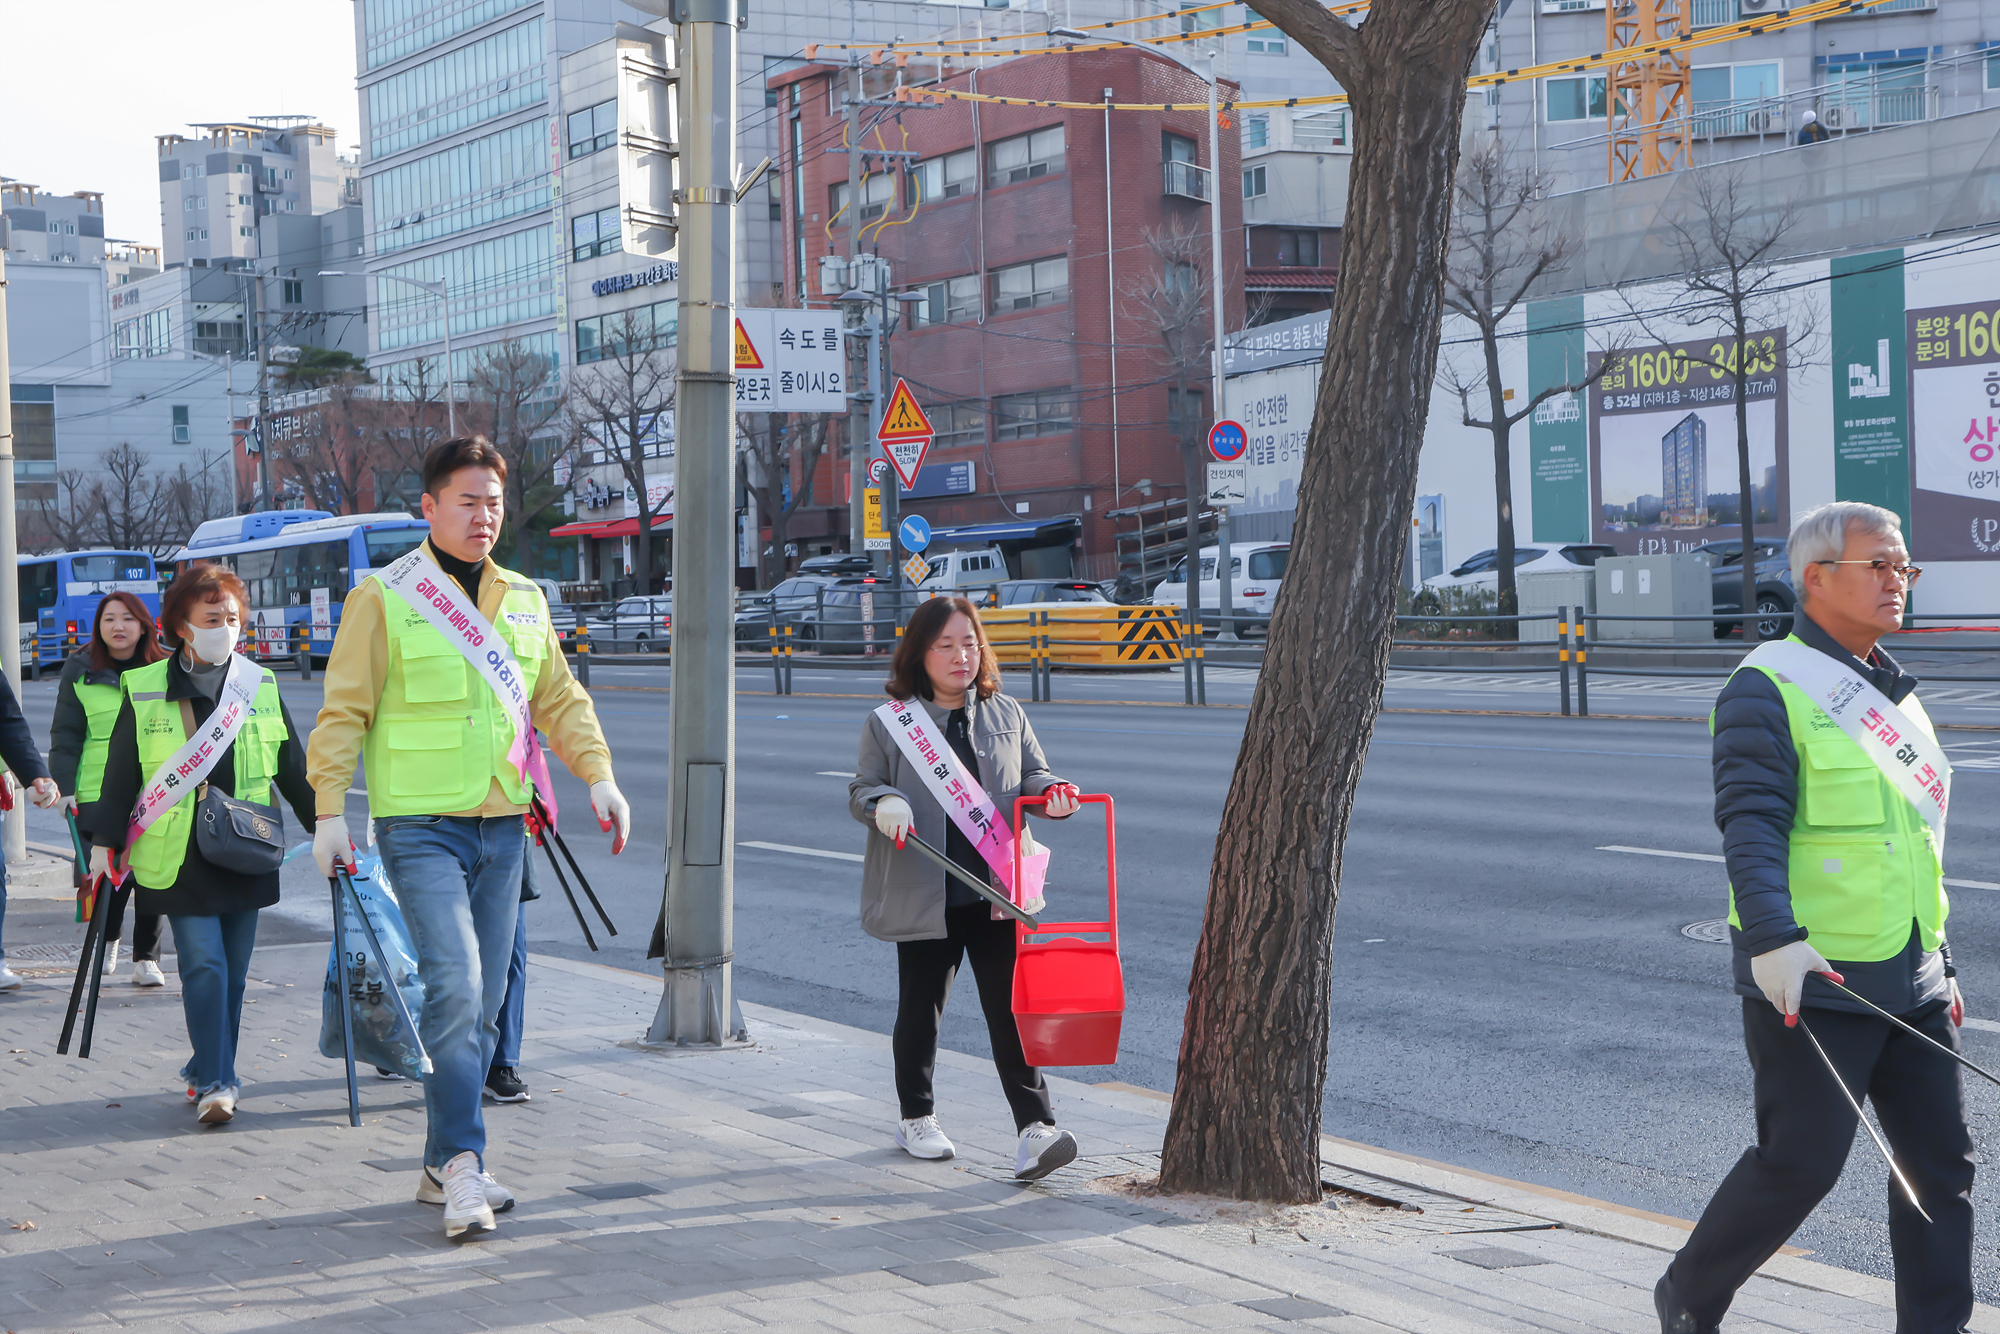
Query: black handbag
[232,833]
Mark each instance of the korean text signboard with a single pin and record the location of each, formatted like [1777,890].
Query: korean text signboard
[1871,415]
[789,361]
[1955,432]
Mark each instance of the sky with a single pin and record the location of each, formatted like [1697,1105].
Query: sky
[82,100]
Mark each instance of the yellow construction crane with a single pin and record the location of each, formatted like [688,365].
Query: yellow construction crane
[1646,92]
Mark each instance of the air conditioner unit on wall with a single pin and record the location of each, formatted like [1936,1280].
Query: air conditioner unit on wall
[1833,117]
[1749,7]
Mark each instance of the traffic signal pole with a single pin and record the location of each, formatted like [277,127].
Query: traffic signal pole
[697,1007]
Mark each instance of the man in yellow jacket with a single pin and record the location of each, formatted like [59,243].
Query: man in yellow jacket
[445,666]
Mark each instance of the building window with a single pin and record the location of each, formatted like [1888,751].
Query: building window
[146,335]
[1208,17]
[1265,44]
[1254,183]
[291,205]
[243,169]
[593,128]
[1320,130]
[288,173]
[294,291]
[1737,99]
[878,191]
[1580,98]
[243,201]
[187,205]
[189,171]
[942,178]
[1992,72]
[1298,249]
[594,234]
[181,429]
[637,329]
[1024,157]
[1024,416]
[243,231]
[201,204]
[1025,286]
[1256,132]
[953,301]
[959,424]
[1890,92]
[1186,415]
[190,235]
[491,77]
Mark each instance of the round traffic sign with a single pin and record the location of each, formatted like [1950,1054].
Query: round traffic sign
[915,531]
[1227,440]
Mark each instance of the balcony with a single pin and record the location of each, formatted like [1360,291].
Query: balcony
[1185,180]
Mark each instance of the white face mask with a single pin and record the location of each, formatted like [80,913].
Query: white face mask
[212,644]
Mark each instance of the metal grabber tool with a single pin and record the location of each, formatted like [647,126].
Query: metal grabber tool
[1873,1133]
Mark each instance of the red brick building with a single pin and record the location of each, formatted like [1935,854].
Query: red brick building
[1000,220]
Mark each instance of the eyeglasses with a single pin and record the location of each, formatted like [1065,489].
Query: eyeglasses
[953,650]
[1906,574]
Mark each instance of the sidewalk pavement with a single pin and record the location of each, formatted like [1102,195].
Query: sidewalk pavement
[747,1189]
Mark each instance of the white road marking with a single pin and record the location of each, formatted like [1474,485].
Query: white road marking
[835,773]
[803,852]
[1983,1025]
[1713,857]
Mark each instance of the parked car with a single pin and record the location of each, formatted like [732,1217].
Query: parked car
[837,564]
[1483,569]
[974,570]
[794,602]
[836,623]
[1775,596]
[1016,592]
[1256,569]
[638,625]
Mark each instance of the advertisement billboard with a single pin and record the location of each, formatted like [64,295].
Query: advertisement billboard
[1954,432]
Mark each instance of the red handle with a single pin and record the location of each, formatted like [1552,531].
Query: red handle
[1110,924]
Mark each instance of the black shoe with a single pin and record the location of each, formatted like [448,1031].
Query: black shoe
[1674,1317]
[503,1085]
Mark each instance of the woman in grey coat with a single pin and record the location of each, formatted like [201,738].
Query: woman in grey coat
[944,664]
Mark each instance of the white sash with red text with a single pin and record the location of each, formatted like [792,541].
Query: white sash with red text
[185,769]
[436,596]
[964,800]
[1904,750]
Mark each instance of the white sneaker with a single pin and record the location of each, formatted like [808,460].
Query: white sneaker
[111,958]
[430,1190]
[466,1212]
[216,1108]
[1043,1149]
[146,973]
[923,1138]
[9,979]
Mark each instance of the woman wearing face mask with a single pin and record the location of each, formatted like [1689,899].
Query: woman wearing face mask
[213,908]
[87,701]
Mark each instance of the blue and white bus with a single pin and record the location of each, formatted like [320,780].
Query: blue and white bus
[60,593]
[299,566]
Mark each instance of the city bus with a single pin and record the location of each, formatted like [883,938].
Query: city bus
[59,596]
[299,566]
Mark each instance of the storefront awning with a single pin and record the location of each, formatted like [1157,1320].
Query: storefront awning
[609,527]
[1049,531]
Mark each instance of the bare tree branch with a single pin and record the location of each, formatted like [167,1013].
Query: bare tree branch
[624,403]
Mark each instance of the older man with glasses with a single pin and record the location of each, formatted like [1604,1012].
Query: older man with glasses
[1830,791]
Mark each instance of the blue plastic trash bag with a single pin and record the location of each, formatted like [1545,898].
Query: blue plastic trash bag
[380,1037]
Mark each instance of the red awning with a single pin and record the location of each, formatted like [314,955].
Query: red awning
[609,527]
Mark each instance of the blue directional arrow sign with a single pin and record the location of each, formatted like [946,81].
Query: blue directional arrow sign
[915,532]
[1227,440]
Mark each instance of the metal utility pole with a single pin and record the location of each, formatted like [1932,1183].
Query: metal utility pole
[697,1007]
[14,841]
[263,391]
[859,443]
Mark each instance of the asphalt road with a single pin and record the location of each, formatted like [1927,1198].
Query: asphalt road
[1507,996]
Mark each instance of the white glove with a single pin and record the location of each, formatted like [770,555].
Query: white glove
[331,844]
[100,861]
[1781,975]
[611,809]
[46,793]
[893,817]
[67,806]
[1061,801]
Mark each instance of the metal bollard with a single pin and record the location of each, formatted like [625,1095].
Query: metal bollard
[788,657]
[1187,663]
[1582,679]
[1562,655]
[582,639]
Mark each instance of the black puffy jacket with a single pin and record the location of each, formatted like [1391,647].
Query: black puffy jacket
[1756,799]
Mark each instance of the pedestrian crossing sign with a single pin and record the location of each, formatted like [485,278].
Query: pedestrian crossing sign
[746,351]
[905,434]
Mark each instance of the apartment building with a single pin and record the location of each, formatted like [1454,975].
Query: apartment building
[218,185]
[1024,233]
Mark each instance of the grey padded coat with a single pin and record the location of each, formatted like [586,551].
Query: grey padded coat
[902,893]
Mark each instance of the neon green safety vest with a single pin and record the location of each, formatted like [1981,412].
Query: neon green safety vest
[157,854]
[1863,865]
[100,711]
[440,737]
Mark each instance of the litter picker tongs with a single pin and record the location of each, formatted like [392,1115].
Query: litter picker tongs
[971,881]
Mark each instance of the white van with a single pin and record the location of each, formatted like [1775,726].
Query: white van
[976,568]
[1256,570]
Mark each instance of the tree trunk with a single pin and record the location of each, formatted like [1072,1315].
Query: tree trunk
[1252,1073]
[1508,603]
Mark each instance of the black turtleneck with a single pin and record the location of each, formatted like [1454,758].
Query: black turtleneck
[465,572]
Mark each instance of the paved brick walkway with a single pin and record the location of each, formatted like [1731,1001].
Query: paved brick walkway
[747,1190]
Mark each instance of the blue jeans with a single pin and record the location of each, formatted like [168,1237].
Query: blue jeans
[214,955]
[507,1048]
[459,881]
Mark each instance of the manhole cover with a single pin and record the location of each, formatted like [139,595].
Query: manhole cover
[59,952]
[1714,932]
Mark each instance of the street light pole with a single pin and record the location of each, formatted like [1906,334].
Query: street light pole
[438,288]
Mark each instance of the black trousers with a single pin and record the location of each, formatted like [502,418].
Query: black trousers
[145,931]
[1804,1131]
[925,970]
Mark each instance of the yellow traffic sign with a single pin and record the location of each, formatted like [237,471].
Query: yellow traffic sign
[746,351]
[904,419]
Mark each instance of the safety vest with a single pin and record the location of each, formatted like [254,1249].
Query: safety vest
[156,855]
[440,737]
[100,711]
[1863,862]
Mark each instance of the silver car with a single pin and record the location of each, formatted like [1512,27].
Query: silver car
[635,625]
